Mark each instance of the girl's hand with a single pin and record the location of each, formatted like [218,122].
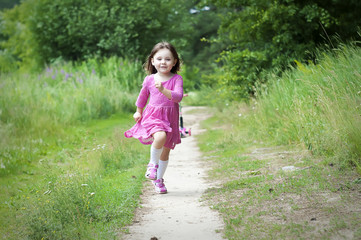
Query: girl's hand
[137,116]
[159,85]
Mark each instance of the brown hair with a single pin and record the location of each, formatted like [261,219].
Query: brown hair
[148,64]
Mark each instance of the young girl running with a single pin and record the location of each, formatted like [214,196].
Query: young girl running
[158,124]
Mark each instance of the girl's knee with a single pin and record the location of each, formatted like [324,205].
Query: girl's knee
[159,139]
[159,135]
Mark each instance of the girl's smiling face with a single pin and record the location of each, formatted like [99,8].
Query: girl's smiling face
[164,61]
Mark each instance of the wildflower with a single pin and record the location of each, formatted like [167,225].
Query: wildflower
[240,115]
[93,71]
[66,77]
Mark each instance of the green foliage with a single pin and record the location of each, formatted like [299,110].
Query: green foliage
[237,80]
[191,77]
[265,35]
[78,30]
[63,94]
[17,42]
[316,105]
[8,3]
[257,194]
[39,32]
[200,53]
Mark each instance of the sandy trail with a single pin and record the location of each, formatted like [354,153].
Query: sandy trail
[179,214]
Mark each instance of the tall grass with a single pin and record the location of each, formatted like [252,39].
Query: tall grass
[34,107]
[316,105]
[68,93]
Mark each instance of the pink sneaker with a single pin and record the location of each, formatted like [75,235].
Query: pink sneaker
[159,186]
[151,172]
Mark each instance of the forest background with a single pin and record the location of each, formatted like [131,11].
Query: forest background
[65,64]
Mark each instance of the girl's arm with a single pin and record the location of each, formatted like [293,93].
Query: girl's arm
[176,95]
[141,101]
[143,96]
[138,114]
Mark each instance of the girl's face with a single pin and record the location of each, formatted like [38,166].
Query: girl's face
[163,61]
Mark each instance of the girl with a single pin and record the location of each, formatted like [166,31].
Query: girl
[158,124]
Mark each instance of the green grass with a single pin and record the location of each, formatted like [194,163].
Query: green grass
[316,105]
[66,169]
[308,119]
[35,108]
[91,193]
[259,200]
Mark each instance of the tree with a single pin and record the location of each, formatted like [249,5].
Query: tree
[265,34]
[79,29]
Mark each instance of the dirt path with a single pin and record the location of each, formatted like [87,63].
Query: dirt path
[179,214]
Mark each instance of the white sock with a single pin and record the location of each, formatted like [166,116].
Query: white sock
[161,169]
[155,155]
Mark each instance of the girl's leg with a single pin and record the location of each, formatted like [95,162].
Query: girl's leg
[159,139]
[155,152]
[157,147]
[163,163]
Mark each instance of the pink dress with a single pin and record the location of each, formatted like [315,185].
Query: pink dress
[161,114]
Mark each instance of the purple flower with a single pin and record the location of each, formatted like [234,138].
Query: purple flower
[53,77]
[66,77]
[93,71]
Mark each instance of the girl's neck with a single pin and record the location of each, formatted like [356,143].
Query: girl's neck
[163,77]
